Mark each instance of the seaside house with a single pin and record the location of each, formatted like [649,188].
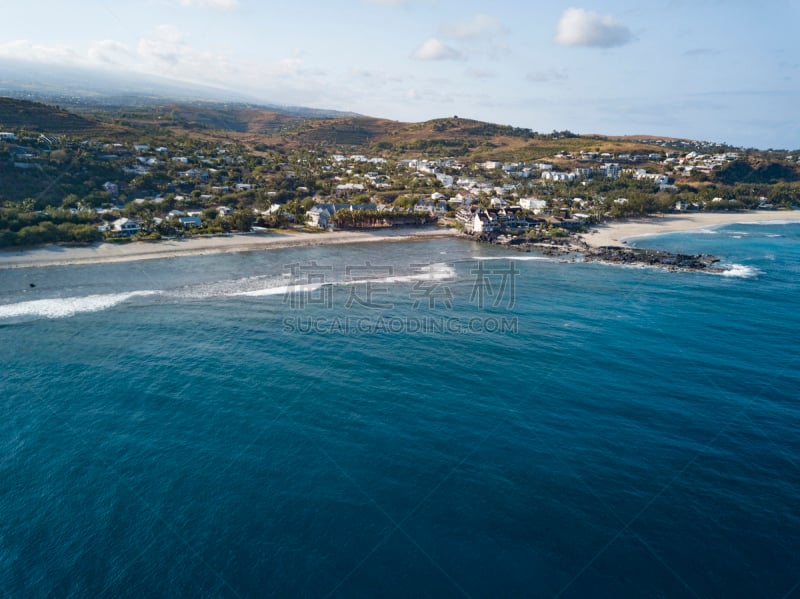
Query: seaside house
[319,216]
[188,222]
[481,222]
[126,226]
[535,205]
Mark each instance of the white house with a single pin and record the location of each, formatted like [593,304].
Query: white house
[319,216]
[558,176]
[536,205]
[483,222]
[611,170]
[126,226]
[446,180]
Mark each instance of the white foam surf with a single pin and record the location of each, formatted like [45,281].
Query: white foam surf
[517,258]
[64,307]
[279,286]
[278,290]
[766,223]
[739,271]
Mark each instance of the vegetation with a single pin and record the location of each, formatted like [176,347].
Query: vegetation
[21,227]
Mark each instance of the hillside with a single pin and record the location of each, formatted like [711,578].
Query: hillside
[260,128]
[448,137]
[41,118]
[289,129]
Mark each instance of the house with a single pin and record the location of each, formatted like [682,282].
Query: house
[535,205]
[349,188]
[463,199]
[558,176]
[319,216]
[111,188]
[126,226]
[611,170]
[433,206]
[484,222]
[446,180]
[7,136]
[188,222]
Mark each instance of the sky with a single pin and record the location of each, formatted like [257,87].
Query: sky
[717,70]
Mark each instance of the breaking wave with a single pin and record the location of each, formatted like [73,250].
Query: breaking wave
[430,272]
[519,258]
[65,307]
[740,271]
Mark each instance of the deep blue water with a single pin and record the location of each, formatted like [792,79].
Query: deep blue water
[233,425]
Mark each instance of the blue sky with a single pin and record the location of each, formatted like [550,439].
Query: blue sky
[707,69]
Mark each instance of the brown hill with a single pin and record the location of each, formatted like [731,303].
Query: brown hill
[453,137]
[41,118]
[444,137]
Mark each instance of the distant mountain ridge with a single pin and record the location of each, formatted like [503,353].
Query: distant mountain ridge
[79,87]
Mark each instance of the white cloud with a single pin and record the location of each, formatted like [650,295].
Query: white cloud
[579,27]
[110,52]
[168,52]
[479,26]
[167,47]
[434,49]
[27,50]
[215,4]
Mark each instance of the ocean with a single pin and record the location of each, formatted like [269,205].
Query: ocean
[431,418]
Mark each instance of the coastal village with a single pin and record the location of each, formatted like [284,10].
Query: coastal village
[167,186]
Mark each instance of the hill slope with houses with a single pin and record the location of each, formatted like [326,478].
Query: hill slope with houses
[181,169]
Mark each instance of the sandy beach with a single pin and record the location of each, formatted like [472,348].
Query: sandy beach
[618,231]
[59,255]
[614,233]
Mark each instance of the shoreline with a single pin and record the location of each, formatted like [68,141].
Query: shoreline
[616,232]
[105,253]
[613,233]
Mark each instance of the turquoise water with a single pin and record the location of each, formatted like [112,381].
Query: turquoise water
[404,419]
